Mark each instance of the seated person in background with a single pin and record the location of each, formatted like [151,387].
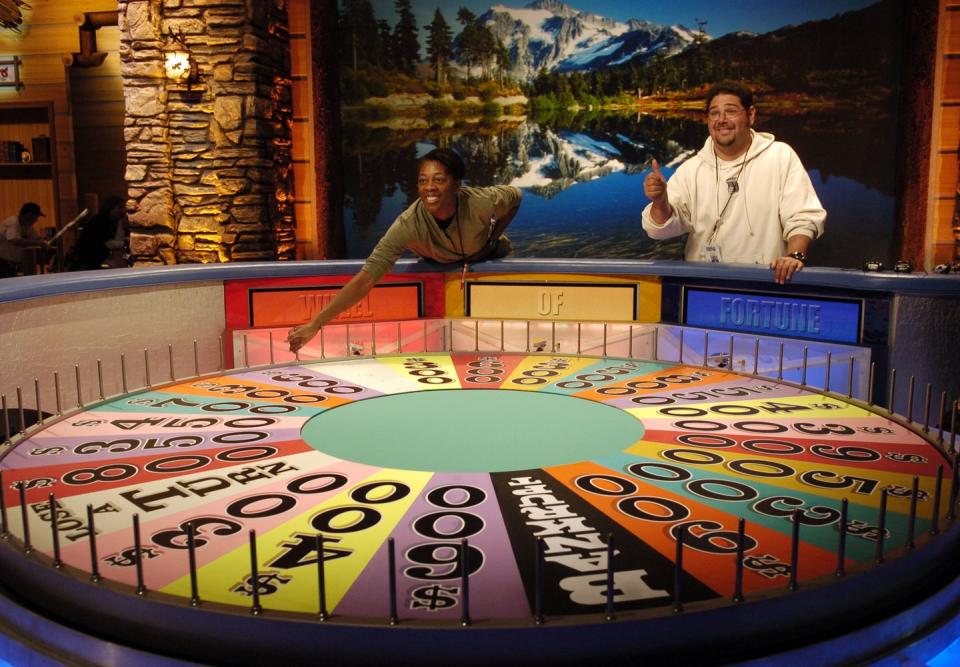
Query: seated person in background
[102,238]
[743,198]
[16,234]
[447,223]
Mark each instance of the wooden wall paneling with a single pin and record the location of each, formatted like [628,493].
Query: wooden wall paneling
[100,139]
[42,69]
[942,252]
[107,114]
[305,230]
[59,38]
[46,85]
[55,93]
[23,132]
[28,183]
[299,57]
[63,184]
[946,183]
[61,11]
[304,172]
[949,138]
[945,116]
[13,193]
[68,190]
[298,14]
[109,68]
[99,109]
[108,39]
[21,183]
[952,41]
[948,236]
[96,90]
[64,151]
[301,132]
[943,217]
[300,92]
[304,188]
[50,33]
[63,122]
[951,78]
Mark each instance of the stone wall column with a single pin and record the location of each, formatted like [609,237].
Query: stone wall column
[208,164]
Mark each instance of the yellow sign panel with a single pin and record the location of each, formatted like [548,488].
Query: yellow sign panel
[552,301]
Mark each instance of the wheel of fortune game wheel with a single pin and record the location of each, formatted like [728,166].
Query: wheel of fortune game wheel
[472,507]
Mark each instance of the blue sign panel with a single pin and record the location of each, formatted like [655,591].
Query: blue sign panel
[813,318]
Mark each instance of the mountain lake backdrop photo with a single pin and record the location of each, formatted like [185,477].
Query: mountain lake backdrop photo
[571,102]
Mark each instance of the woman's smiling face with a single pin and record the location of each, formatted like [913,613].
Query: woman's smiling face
[437,190]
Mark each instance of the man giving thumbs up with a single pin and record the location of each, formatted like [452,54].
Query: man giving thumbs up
[744,198]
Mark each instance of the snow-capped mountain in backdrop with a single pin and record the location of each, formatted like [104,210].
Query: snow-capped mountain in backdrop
[551,35]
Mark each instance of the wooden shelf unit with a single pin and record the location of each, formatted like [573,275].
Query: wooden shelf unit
[30,181]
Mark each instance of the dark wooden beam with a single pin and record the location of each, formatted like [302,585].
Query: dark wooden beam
[331,242]
[915,127]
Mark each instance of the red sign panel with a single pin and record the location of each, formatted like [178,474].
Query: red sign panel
[291,306]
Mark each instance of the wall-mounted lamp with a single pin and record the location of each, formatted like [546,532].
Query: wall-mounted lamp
[180,64]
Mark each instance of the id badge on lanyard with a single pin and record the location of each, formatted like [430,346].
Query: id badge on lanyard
[712,252]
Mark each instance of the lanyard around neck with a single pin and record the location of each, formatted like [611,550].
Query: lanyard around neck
[446,232]
[462,252]
[735,187]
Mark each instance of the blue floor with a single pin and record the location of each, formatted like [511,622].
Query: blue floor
[949,657]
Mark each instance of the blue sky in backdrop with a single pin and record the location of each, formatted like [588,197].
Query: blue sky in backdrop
[722,16]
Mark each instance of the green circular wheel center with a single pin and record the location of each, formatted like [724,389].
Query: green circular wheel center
[471,430]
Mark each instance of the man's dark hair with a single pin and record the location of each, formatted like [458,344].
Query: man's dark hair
[452,162]
[30,208]
[730,88]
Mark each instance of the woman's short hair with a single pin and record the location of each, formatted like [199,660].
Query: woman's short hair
[452,162]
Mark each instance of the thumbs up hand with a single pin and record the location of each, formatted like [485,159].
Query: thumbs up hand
[655,185]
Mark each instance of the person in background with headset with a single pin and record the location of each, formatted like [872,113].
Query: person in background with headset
[744,198]
[447,223]
[17,234]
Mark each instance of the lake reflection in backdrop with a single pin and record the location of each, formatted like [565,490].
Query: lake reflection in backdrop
[582,177]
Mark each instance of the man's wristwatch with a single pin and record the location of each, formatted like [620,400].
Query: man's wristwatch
[796,254]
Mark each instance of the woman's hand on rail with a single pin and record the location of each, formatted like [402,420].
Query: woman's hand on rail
[299,336]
